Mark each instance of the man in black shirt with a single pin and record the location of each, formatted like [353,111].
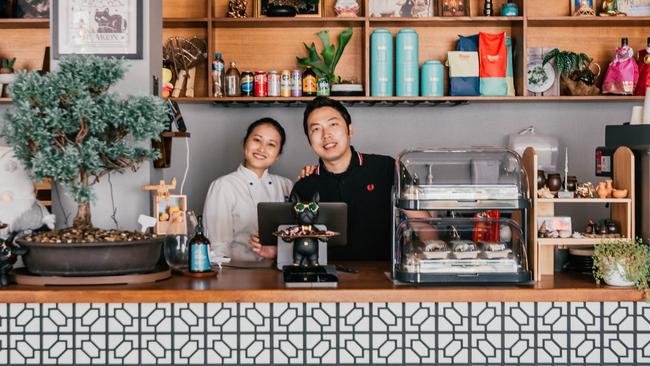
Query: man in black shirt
[363,181]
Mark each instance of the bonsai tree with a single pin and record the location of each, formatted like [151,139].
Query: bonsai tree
[628,257]
[67,125]
[325,64]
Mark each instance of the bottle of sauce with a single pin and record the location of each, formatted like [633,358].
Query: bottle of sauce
[199,258]
[232,81]
[309,82]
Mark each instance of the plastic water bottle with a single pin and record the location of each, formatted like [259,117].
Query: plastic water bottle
[218,76]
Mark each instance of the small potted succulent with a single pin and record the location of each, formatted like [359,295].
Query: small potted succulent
[622,262]
[324,64]
[7,75]
[576,74]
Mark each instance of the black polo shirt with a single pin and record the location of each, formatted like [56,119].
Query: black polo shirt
[366,188]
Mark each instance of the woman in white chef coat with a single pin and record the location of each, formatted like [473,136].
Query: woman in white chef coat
[230,210]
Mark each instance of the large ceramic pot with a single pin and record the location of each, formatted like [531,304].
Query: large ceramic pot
[92,259]
[615,275]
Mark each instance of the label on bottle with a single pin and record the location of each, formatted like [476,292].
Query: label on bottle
[217,66]
[199,258]
[232,85]
[308,84]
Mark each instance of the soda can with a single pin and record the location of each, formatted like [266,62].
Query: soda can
[296,83]
[246,82]
[261,87]
[274,83]
[323,87]
[285,83]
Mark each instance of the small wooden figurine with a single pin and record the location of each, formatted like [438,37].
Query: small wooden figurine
[237,8]
[169,209]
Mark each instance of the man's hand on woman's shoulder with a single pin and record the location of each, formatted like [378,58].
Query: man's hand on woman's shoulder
[307,171]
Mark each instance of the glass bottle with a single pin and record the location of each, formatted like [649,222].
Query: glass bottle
[309,82]
[199,258]
[218,76]
[624,42]
[232,81]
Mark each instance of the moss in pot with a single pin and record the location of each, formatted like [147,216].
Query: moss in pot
[622,262]
[68,126]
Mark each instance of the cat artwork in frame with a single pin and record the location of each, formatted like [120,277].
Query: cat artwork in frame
[453,8]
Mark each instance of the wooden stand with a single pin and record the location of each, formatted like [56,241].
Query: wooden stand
[23,277]
[541,250]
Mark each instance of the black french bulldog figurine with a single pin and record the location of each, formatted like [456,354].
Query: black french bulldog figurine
[9,253]
[305,249]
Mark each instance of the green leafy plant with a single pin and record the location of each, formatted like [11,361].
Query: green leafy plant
[330,54]
[68,126]
[574,66]
[634,257]
[8,66]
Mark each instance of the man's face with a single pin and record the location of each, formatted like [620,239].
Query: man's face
[328,133]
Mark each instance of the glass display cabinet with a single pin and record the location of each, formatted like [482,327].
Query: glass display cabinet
[460,216]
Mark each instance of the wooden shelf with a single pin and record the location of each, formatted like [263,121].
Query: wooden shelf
[284,22]
[444,21]
[185,22]
[572,241]
[5,100]
[595,21]
[175,134]
[584,200]
[22,23]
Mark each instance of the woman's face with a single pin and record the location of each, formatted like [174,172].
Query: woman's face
[262,147]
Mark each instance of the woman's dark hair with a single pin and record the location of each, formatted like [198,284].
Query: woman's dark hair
[320,102]
[267,121]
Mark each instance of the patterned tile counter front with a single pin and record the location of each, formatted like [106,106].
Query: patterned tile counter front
[185,326]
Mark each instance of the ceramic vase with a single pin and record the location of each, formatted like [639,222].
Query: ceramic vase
[553,182]
[541,179]
[615,276]
[601,190]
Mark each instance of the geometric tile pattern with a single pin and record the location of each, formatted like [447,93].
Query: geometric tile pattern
[478,333]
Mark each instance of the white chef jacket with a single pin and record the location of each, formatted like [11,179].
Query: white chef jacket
[230,210]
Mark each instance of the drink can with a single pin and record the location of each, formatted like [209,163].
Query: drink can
[296,83]
[246,81]
[323,87]
[285,83]
[274,83]
[261,87]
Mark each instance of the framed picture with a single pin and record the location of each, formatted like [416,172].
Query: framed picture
[305,9]
[575,5]
[453,8]
[31,8]
[543,80]
[401,8]
[635,8]
[99,27]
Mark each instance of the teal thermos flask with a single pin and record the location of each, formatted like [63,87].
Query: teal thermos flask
[381,63]
[406,66]
[433,79]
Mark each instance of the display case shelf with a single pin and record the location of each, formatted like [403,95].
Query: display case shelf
[185,22]
[584,200]
[571,241]
[444,21]
[283,22]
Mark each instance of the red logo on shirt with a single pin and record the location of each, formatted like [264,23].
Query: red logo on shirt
[370,187]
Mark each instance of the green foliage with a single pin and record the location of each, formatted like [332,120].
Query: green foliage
[8,64]
[568,63]
[633,255]
[66,125]
[330,54]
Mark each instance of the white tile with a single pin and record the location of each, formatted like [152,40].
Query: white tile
[643,348]
[585,348]
[123,318]
[188,348]
[420,348]
[24,318]
[453,317]
[486,317]
[453,348]
[58,318]
[157,347]
[519,317]
[585,317]
[255,317]
[552,317]
[189,318]
[552,348]
[486,348]
[354,348]
[321,348]
[90,348]
[288,349]
[386,348]
[288,317]
[123,348]
[156,318]
[519,348]
[321,317]
[90,318]
[617,348]
[58,349]
[354,317]
[420,317]
[255,348]
[221,318]
[222,348]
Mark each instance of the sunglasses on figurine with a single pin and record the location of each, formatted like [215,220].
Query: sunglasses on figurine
[300,207]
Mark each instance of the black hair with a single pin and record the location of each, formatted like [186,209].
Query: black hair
[267,121]
[320,102]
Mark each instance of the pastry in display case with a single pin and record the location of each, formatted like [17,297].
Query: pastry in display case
[477,202]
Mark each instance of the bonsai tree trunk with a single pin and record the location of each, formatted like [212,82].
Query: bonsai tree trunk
[82,220]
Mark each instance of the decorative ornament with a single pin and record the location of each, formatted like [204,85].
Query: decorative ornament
[237,8]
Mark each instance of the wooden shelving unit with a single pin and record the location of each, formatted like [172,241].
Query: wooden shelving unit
[273,43]
[264,43]
[541,250]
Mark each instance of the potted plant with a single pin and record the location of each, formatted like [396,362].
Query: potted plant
[576,75]
[623,262]
[67,126]
[7,75]
[324,64]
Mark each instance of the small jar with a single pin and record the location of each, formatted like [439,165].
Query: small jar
[554,182]
[571,183]
[541,179]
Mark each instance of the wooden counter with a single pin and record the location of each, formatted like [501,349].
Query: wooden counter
[369,285]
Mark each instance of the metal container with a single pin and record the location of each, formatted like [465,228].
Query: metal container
[273,80]
[296,83]
[381,63]
[246,81]
[285,83]
[92,259]
[261,87]
[407,81]
[433,79]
